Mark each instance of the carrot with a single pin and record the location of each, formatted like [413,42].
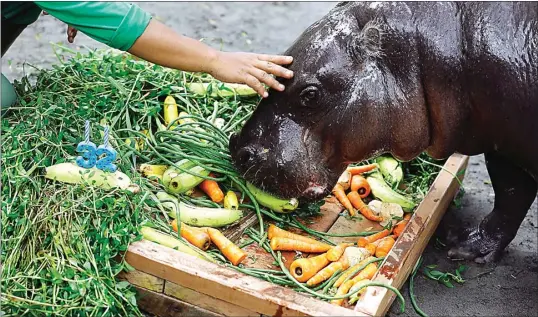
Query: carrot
[287,244]
[336,252]
[340,194]
[275,231]
[363,241]
[367,273]
[303,269]
[212,189]
[350,271]
[360,184]
[342,290]
[355,170]
[195,236]
[371,247]
[400,226]
[327,272]
[232,252]
[384,246]
[363,208]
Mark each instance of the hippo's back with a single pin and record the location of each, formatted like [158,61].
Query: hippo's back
[500,47]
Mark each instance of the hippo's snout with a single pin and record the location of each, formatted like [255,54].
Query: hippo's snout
[315,192]
[245,156]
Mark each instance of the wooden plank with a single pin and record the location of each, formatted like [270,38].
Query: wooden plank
[261,259]
[235,232]
[165,306]
[400,261]
[204,301]
[345,225]
[144,280]
[227,284]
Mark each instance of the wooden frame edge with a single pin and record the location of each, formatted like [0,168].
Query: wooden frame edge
[227,284]
[400,261]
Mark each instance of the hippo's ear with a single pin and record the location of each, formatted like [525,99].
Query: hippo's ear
[369,40]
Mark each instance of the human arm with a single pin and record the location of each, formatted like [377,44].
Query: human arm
[161,45]
[127,27]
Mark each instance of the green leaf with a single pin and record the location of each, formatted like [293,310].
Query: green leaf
[128,267]
[122,285]
[447,283]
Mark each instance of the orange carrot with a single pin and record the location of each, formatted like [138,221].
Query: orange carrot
[287,244]
[327,272]
[355,170]
[363,208]
[340,194]
[275,231]
[347,274]
[303,269]
[342,290]
[232,252]
[212,189]
[371,247]
[360,184]
[195,236]
[367,273]
[363,241]
[384,246]
[336,252]
[400,226]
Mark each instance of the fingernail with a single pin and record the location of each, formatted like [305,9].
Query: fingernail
[265,94]
[281,87]
[290,73]
[290,58]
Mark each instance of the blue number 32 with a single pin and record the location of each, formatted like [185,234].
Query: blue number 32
[89,154]
[105,164]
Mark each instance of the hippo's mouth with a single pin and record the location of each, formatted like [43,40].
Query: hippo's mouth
[314,192]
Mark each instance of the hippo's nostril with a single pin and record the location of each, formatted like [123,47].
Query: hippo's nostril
[243,156]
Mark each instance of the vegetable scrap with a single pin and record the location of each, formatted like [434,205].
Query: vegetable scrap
[66,227]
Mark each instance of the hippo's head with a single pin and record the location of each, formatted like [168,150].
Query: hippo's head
[341,106]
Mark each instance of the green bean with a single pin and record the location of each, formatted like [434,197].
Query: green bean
[411,289]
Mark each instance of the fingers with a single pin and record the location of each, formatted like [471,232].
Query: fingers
[277,59]
[255,84]
[71,34]
[274,69]
[267,79]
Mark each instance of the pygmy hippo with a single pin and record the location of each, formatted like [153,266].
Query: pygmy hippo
[405,78]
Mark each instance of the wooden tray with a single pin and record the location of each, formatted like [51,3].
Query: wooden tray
[172,284]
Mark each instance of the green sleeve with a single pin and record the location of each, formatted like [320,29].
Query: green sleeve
[116,24]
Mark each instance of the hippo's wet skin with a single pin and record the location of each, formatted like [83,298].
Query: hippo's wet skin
[404,78]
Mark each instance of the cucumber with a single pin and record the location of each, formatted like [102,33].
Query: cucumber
[166,240]
[184,182]
[172,171]
[73,174]
[272,202]
[221,90]
[391,169]
[199,216]
[385,193]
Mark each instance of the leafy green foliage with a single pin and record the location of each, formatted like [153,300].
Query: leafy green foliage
[445,278]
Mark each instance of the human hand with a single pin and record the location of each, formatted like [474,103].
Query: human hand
[251,69]
[71,31]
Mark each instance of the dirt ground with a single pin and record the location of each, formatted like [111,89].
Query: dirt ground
[508,288]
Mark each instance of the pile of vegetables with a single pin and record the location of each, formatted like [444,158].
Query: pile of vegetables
[64,228]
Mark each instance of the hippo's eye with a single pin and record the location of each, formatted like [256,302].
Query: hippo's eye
[309,94]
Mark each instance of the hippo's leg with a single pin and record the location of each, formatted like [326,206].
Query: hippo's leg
[515,190]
